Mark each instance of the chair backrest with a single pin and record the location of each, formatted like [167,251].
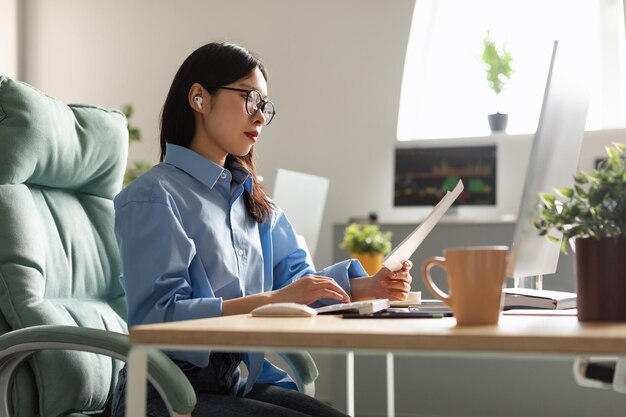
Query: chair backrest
[60,167]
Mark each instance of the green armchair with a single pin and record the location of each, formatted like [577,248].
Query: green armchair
[62,308]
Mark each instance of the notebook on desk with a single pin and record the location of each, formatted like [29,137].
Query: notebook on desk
[541,299]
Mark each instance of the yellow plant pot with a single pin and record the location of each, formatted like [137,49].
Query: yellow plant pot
[372,262]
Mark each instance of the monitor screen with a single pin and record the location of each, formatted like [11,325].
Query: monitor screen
[553,158]
[423,175]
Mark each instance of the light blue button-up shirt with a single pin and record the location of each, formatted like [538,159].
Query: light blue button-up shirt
[187,243]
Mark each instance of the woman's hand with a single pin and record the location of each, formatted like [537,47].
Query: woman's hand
[384,284]
[309,289]
[306,290]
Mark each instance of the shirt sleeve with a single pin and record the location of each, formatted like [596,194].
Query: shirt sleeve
[342,272]
[290,260]
[156,255]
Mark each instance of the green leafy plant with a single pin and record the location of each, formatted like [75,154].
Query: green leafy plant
[594,207]
[135,169]
[134,134]
[366,238]
[138,167]
[497,64]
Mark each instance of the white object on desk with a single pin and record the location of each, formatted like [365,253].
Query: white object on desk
[404,250]
[360,307]
[533,298]
[284,310]
[414,298]
[301,310]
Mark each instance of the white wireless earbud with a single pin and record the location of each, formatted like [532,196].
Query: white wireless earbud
[198,101]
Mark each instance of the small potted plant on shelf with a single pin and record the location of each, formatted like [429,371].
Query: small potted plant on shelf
[367,243]
[498,70]
[593,214]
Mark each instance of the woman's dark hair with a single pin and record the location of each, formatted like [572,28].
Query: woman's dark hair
[212,65]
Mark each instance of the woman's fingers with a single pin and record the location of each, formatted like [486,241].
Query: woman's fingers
[399,276]
[397,296]
[398,285]
[327,293]
[328,287]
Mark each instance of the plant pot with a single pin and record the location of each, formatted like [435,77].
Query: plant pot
[601,279]
[371,262]
[498,122]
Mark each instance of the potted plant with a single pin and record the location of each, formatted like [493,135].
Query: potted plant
[367,243]
[498,70]
[593,214]
[137,167]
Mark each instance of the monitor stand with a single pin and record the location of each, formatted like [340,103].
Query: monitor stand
[533,282]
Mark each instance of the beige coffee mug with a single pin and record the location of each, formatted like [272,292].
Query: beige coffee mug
[475,279]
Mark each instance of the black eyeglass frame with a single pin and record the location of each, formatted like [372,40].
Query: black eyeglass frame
[260,106]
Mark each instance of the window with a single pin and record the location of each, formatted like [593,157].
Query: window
[444,90]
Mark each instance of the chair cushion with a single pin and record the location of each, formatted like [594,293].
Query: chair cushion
[45,142]
[60,167]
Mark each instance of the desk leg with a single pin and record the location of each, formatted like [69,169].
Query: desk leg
[136,385]
[350,382]
[391,401]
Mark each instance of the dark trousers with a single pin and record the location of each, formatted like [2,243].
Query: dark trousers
[216,393]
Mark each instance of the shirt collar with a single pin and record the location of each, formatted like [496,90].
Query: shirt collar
[203,169]
[241,175]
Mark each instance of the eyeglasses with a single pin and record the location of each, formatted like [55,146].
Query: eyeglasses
[254,103]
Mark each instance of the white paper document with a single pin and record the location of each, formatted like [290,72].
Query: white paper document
[393,261]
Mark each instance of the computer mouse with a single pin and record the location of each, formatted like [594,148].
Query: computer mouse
[283,310]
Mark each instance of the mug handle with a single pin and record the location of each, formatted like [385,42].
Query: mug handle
[428,280]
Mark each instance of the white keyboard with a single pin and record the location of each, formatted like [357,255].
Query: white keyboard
[360,307]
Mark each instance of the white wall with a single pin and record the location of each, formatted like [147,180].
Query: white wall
[335,66]
[8,38]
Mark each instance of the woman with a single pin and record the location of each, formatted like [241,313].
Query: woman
[199,238]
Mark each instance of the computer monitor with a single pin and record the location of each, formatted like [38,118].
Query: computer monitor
[423,175]
[553,159]
[303,198]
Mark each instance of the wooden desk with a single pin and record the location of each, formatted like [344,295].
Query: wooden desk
[513,335]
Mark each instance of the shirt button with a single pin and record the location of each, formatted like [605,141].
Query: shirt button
[240,252]
[223,176]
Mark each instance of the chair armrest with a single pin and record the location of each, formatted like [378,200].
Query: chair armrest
[305,371]
[18,345]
